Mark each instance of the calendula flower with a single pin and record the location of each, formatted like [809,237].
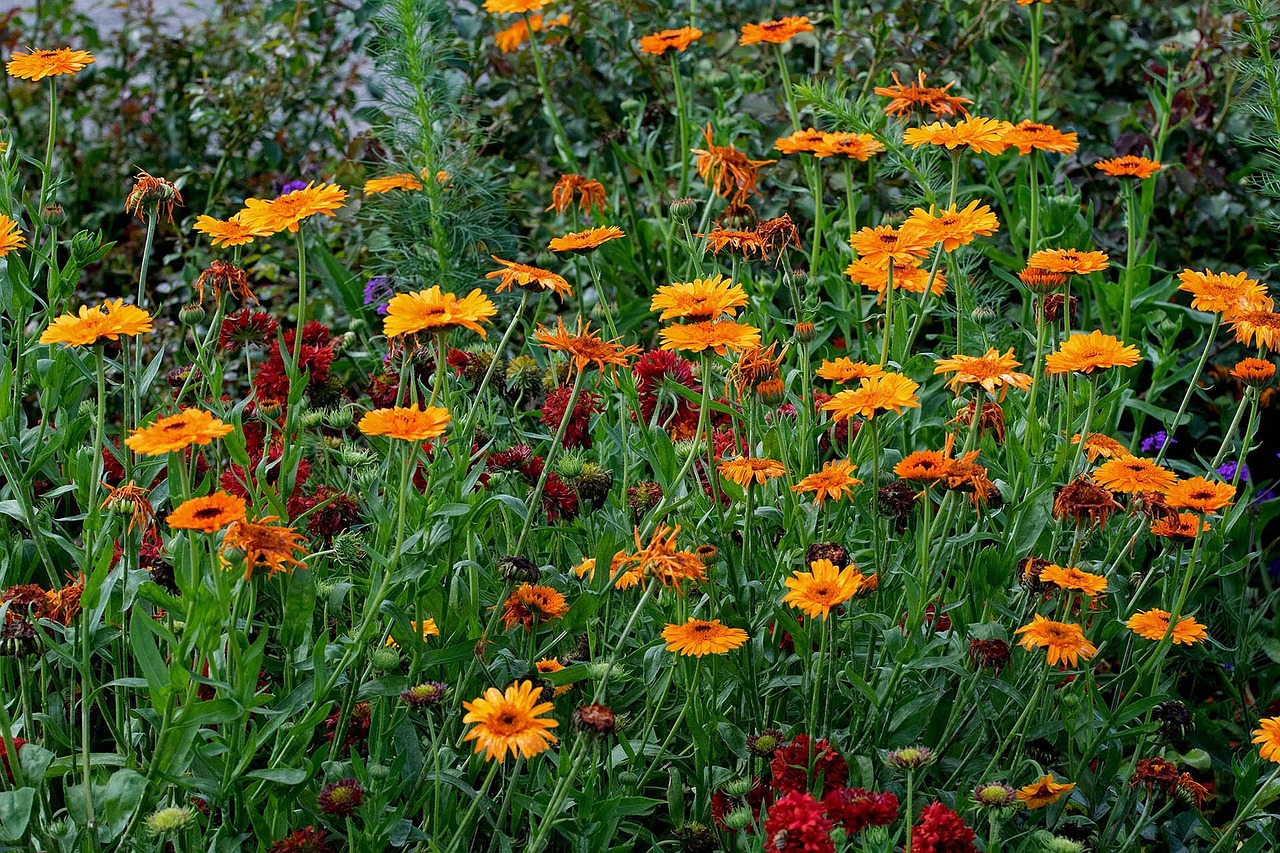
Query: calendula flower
[1134,474]
[882,245]
[719,336]
[955,228]
[528,278]
[727,171]
[1044,791]
[88,326]
[1070,261]
[518,33]
[983,135]
[924,466]
[133,499]
[208,514]
[1098,446]
[632,574]
[582,242]
[1256,327]
[1223,293]
[1062,641]
[150,193]
[512,7]
[844,370]
[822,588]
[1083,499]
[800,142]
[883,393]
[585,347]
[1085,353]
[1254,372]
[1042,281]
[286,212]
[511,720]
[1267,735]
[39,64]
[677,40]
[177,432]
[993,372]
[855,146]
[532,603]
[1027,136]
[1182,525]
[908,276]
[934,99]
[223,233]
[745,243]
[261,544]
[435,312]
[833,482]
[406,424]
[1154,625]
[1072,578]
[10,236]
[698,301]
[1128,166]
[429,629]
[663,560]
[698,637]
[775,32]
[744,469]
[1200,495]
[755,367]
[403,181]
[590,194]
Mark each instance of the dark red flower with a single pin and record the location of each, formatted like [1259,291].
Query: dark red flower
[797,824]
[305,840]
[558,500]
[722,803]
[336,512]
[18,744]
[654,372]
[246,328]
[271,383]
[941,830]
[791,766]
[341,798]
[577,432]
[856,809]
[357,731]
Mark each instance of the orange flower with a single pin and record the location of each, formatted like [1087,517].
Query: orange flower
[403,181]
[1071,578]
[1222,292]
[528,278]
[631,572]
[659,43]
[582,242]
[855,146]
[510,720]
[833,482]
[429,629]
[1134,474]
[531,603]
[107,321]
[1183,525]
[589,191]
[775,32]
[286,212]
[745,243]
[743,470]
[1041,281]
[208,514]
[699,637]
[435,312]
[822,588]
[406,424]
[10,236]
[1063,641]
[1071,261]
[1128,167]
[906,276]
[844,370]
[925,466]
[1200,495]
[223,233]
[1083,353]
[1154,625]
[662,560]
[1260,327]
[882,245]
[512,7]
[992,372]
[800,142]
[177,432]
[699,300]
[883,393]
[1029,135]
[1098,446]
[1044,791]
[727,171]
[755,366]
[1084,499]
[983,135]
[719,336]
[518,33]
[916,94]
[260,544]
[955,228]
[39,64]
[1254,372]
[585,346]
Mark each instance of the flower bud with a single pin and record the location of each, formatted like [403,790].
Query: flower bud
[385,658]
[54,215]
[683,208]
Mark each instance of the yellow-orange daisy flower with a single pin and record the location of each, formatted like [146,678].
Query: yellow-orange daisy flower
[402,181]
[660,42]
[855,146]
[699,637]
[1072,261]
[261,544]
[582,242]
[1085,353]
[10,236]
[984,135]
[1027,136]
[1200,495]
[177,432]
[719,336]
[886,392]
[511,720]
[744,470]
[1222,293]
[955,228]
[406,424]
[585,346]
[844,370]
[286,212]
[223,233]
[775,32]
[1072,578]
[1128,166]
[882,245]
[39,64]
[993,372]
[1154,625]
[530,278]
[822,588]
[1044,791]
[1062,641]
[107,321]
[1134,474]
[833,482]
[434,311]
[208,514]
[698,301]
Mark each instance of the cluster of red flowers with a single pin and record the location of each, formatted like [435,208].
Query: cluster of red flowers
[559,500]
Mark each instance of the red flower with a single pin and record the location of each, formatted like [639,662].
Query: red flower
[941,830]
[857,809]
[357,731]
[653,371]
[791,763]
[337,512]
[558,500]
[722,803]
[271,383]
[246,328]
[305,840]
[577,432]
[18,744]
[796,824]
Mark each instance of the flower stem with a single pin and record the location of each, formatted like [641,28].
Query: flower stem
[1191,386]
[532,505]
[548,106]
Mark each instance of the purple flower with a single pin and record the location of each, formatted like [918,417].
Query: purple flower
[293,186]
[1227,470]
[1156,443]
[379,292]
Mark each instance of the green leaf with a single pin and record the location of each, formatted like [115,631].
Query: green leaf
[283,775]
[15,813]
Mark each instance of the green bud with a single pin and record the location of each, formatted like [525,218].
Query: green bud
[385,658]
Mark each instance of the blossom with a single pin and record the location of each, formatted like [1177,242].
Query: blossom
[1027,136]
[1071,261]
[886,392]
[208,514]
[387,183]
[801,141]
[585,346]
[10,236]
[883,245]
[844,370]
[39,64]
[822,588]
[1200,495]
[983,135]
[727,171]
[992,372]
[406,424]
[1044,792]
[833,482]
[700,300]
[1267,735]
[1128,166]
[107,321]
[698,637]
[530,603]
[677,40]
[797,823]
[1072,578]
[744,469]
[775,32]
[589,191]
[935,99]
[1154,625]
[940,830]
[436,312]
[528,278]
[1062,641]
[177,432]
[855,146]
[582,242]
[261,544]
[1134,474]
[518,33]
[1085,353]
[512,7]
[223,233]
[510,721]
[1223,293]
[955,228]
[286,212]
[719,336]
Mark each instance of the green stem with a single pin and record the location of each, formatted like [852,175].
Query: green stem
[548,106]
[531,507]
[683,121]
[1191,386]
